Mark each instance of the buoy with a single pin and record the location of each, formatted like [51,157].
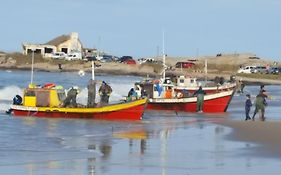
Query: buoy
[81,73]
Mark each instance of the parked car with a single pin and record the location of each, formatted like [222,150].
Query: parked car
[146,60]
[246,69]
[275,70]
[74,56]
[184,64]
[254,57]
[99,57]
[124,58]
[260,69]
[91,58]
[130,61]
[58,55]
[107,58]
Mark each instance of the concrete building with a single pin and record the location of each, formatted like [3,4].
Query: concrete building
[64,43]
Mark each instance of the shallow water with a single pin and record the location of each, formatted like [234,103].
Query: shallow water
[162,143]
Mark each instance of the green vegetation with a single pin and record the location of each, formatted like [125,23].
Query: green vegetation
[25,59]
[262,76]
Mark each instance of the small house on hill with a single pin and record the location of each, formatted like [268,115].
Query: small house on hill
[64,43]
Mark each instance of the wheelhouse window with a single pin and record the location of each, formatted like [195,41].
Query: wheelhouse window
[30,93]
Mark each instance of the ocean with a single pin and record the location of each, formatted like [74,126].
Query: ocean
[162,143]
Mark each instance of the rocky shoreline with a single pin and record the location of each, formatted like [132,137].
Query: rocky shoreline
[135,70]
[223,66]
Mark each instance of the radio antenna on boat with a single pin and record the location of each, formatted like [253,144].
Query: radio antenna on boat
[164,56]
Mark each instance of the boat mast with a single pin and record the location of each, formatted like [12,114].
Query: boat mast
[206,69]
[97,57]
[93,70]
[164,56]
[32,62]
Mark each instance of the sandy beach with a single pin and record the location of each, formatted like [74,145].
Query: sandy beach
[265,134]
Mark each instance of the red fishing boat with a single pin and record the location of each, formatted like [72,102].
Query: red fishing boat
[191,84]
[46,101]
[216,102]
[181,92]
[179,100]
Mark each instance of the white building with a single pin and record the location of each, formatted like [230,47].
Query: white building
[64,43]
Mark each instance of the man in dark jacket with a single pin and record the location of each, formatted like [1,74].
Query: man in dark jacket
[200,99]
[248,105]
[70,100]
[104,91]
[260,104]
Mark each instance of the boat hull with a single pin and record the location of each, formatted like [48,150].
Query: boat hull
[214,103]
[208,90]
[126,111]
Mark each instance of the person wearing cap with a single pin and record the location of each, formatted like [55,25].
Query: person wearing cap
[70,100]
[200,99]
[248,105]
[260,104]
[104,91]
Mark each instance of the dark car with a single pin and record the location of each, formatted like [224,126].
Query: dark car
[124,58]
[91,58]
[275,70]
[260,69]
[107,58]
[184,64]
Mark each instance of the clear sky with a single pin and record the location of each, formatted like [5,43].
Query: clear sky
[134,27]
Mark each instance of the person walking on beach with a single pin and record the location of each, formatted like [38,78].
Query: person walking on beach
[248,105]
[104,91]
[260,105]
[200,99]
[242,87]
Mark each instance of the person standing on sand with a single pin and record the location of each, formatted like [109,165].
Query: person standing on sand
[248,105]
[200,99]
[242,87]
[260,105]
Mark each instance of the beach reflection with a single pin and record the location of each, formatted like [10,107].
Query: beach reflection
[158,145]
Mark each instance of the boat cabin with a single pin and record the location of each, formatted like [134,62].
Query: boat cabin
[43,97]
[183,81]
[155,89]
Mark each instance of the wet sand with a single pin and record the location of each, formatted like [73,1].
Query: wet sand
[265,134]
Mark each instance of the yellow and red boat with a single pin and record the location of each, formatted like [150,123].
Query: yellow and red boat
[46,102]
